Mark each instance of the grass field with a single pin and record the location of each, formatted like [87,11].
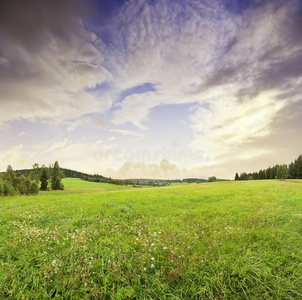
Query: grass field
[222,240]
[78,186]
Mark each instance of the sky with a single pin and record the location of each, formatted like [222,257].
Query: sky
[151,88]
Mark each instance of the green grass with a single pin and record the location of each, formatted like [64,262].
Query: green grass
[78,186]
[222,240]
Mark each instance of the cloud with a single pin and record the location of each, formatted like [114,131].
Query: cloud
[167,42]
[201,52]
[255,81]
[92,121]
[135,108]
[49,60]
[164,170]
[127,132]
[57,145]
[236,63]
[13,156]
[90,157]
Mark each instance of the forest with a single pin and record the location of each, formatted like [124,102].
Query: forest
[29,182]
[291,171]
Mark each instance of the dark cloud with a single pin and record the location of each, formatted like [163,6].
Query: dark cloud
[48,60]
[272,65]
[31,24]
[239,6]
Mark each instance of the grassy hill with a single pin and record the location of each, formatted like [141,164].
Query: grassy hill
[222,240]
[79,186]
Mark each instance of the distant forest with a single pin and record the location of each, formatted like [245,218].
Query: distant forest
[136,182]
[291,171]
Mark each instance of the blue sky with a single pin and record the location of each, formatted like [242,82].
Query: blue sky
[138,88]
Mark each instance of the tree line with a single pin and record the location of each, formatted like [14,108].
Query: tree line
[29,182]
[291,171]
[134,182]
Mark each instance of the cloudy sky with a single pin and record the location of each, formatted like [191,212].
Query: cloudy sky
[151,88]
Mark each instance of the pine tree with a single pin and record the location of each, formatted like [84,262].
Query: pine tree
[282,172]
[292,172]
[236,176]
[298,165]
[44,179]
[56,177]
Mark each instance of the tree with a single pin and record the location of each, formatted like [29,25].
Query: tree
[268,172]
[10,181]
[10,176]
[44,179]
[1,187]
[236,176]
[282,172]
[23,185]
[243,176]
[274,172]
[255,176]
[35,173]
[262,174]
[212,179]
[8,188]
[33,188]
[56,177]
[292,172]
[298,165]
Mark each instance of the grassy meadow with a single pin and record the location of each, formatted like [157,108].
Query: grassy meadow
[221,240]
[78,186]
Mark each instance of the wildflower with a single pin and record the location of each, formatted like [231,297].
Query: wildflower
[165,248]
[152,258]
[152,266]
